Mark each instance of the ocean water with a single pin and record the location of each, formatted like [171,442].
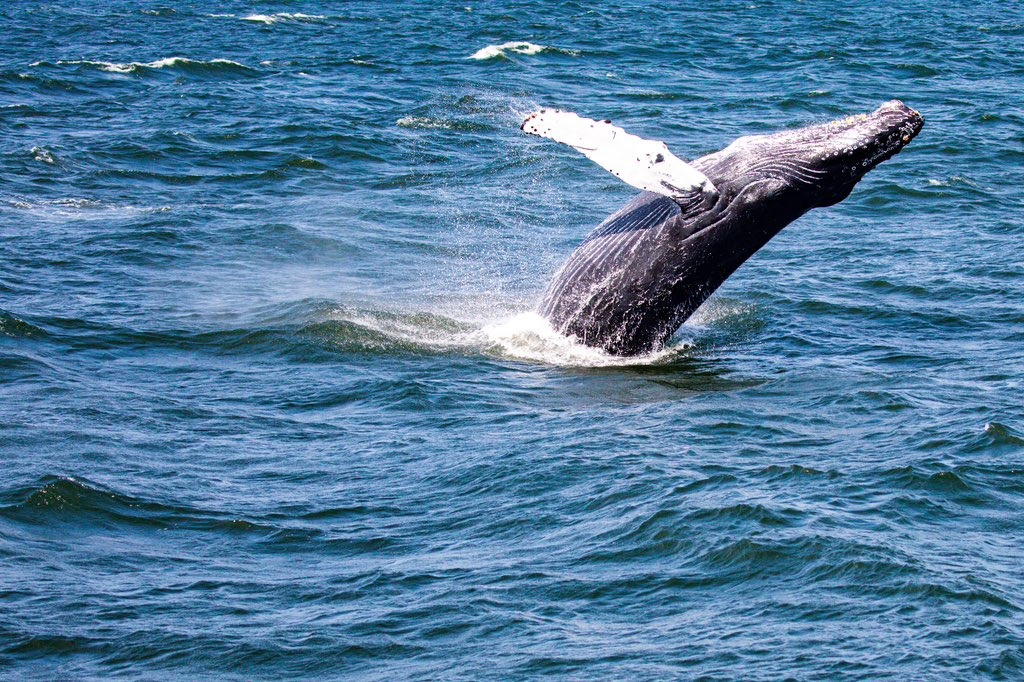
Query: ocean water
[273,403]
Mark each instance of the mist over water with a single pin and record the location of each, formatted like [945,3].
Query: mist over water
[274,402]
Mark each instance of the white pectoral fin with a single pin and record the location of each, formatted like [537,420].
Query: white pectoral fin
[645,164]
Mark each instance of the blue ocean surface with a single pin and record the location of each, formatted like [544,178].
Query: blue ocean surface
[274,403]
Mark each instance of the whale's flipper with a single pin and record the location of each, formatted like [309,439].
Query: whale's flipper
[645,164]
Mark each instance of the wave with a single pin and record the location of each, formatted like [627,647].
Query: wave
[951,181]
[424,123]
[428,123]
[15,327]
[319,331]
[183,63]
[1001,434]
[275,18]
[518,47]
[77,207]
[77,500]
[43,155]
[283,16]
[278,17]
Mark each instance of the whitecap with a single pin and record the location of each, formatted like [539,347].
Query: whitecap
[269,19]
[952,180]
[423,123]
[43,155]
[518,47]
[76,202]
[82,208]
[184,61]
[129,67]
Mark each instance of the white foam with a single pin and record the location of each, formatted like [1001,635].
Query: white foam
[82,208]
[129,67]
[528,336]
[951,180]
[43,155]
[518,47]
[429,331]
[423,123]
[269,19]
[521,336]
[76,202]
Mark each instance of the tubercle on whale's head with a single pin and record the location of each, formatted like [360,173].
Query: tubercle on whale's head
[849,148]
[821,163]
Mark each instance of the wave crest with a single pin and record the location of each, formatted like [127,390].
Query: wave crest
[269,19]
[518,47]
[136,67]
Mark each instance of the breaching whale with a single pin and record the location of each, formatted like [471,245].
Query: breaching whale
[643,271]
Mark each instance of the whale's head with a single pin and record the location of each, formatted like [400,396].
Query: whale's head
[813,166]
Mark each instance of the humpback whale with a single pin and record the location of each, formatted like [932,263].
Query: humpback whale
[643,271]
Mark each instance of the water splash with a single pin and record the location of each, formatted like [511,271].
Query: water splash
[528,336]
[524,336]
